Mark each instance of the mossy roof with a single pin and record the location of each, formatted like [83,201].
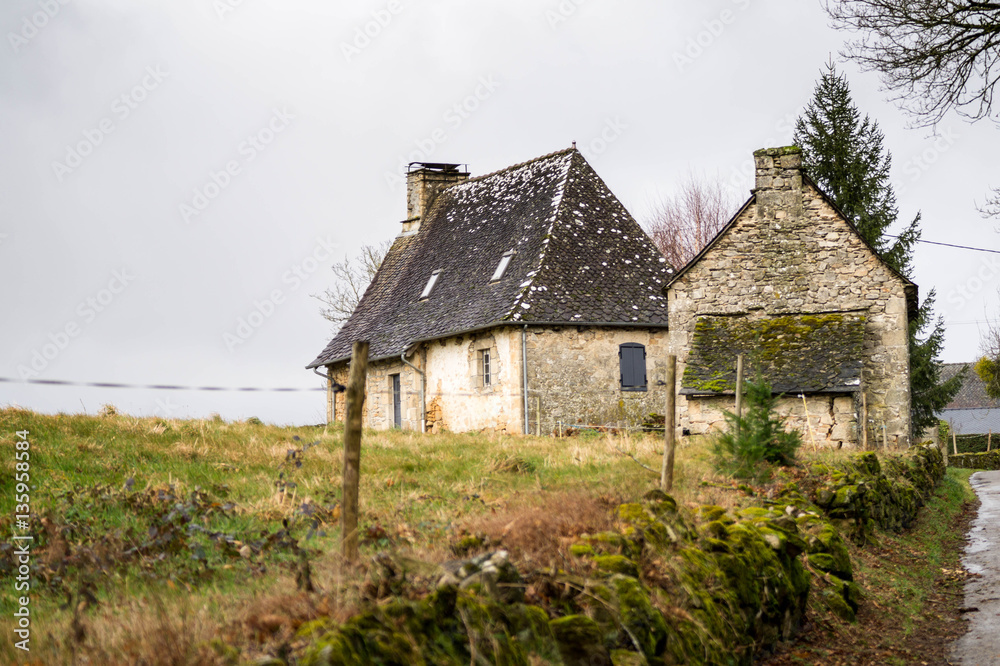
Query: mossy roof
[818,353]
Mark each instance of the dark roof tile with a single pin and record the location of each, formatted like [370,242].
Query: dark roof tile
[578,257]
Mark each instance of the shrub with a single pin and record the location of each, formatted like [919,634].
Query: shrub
[756,438]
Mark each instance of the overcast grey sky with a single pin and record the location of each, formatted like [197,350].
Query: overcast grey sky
[171,168]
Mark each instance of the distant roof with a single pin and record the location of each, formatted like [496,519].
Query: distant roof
[579,258]
[796,353]
[972,421]
[972,395]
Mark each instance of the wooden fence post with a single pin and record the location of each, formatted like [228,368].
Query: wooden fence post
[864,422]
[538,416]
[954,442]
[669,426]
[739,392]
[329,395]
[352,450]
[989,441]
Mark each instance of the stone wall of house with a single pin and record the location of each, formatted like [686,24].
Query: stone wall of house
[458,399]
[828,420]
[574,376]
[377,412]
[789,252]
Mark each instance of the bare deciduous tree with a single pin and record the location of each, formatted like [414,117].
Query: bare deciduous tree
[935,55]
[682,224]
[352,276]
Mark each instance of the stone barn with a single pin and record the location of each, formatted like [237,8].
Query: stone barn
[790,284]
[526,298]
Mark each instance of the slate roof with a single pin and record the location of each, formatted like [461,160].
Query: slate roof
[580,258]
[977,421]
[797,353]
[972,395]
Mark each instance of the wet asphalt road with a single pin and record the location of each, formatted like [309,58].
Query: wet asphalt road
[981,646]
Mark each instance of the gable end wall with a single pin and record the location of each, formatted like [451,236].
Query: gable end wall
[801,259]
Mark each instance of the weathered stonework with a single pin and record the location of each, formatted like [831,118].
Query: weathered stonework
[831,421]
[574,372]
[789,252]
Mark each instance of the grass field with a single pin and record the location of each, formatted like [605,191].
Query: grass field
[178,542]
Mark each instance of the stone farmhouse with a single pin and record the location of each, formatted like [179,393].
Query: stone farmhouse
[531,299]
[532,283]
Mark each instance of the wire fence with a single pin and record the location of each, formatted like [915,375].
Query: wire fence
[156,387]
[541,419]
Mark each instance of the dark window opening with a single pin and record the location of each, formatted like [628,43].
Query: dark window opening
[485,367]
[632,363]
[397,402]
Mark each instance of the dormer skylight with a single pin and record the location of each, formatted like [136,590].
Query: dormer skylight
[502,266]
[430,284]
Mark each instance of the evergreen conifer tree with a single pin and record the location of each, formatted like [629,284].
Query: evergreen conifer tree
[845,155]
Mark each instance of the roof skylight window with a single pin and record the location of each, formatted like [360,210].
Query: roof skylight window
[502,266]
[430,284]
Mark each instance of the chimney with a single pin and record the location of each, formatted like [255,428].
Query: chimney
[779,183]
[424,180]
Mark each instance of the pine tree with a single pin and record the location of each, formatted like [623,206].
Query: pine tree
[928,394]
[845,155]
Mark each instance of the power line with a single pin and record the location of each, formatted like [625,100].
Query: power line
[156,387]
[960,247]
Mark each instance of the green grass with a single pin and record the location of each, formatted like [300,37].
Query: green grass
[100,484]
[923,552]
[96,484]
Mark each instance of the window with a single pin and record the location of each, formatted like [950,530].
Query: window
[485,367]
[430,284]
[502,266]
[632,362]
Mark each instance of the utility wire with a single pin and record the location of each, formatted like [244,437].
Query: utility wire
[157,387]
[960,247]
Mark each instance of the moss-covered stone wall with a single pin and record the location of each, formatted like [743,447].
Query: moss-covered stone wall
[990,460]
[667,586]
